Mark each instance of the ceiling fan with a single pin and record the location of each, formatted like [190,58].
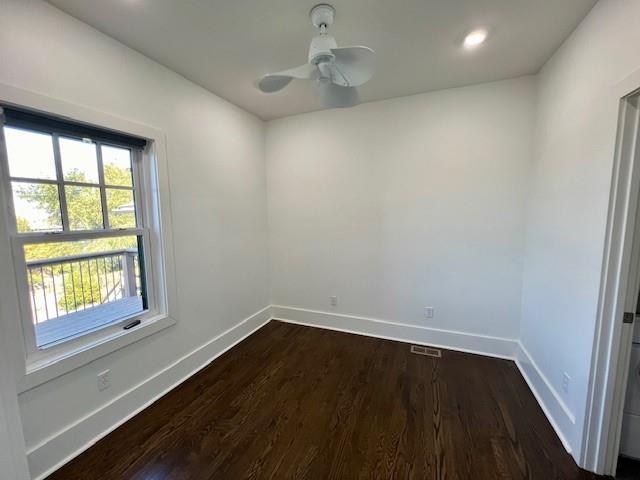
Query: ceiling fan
[336,71]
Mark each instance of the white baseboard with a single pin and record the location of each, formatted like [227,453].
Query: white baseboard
[402,332]
[68,443]
[559,415]
[557,412]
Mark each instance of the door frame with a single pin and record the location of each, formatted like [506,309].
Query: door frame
[620,282]
[13,452]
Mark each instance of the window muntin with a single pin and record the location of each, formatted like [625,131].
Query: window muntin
[90,204]
[90,188]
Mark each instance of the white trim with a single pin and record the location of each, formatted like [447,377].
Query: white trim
[161,251]
[463,342]
[607,381]
[114,339]
[559,415]
[13,461]
[72,440]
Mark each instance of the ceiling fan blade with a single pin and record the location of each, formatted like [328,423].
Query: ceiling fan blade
[273,82]
[336,96]
[356,65]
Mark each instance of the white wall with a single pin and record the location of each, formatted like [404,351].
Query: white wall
[391,206]
[405,203]
[217,183]
[570,183]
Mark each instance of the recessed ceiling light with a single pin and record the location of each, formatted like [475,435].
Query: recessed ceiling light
[475,38]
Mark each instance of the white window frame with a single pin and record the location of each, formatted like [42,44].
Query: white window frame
[41,365]
[20,239]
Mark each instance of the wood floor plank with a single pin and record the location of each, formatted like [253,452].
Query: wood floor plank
[294,402]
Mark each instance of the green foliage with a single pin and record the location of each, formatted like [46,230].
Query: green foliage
[84,209]
[92,280]
[42,196]
[114,175]
[22,224]
[118,198]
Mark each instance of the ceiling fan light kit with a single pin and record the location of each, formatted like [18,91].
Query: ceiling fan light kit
[336,71]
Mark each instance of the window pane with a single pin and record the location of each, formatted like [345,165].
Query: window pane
[80,286]
[37,207]
[117,166]
[122,210]
[30,154]
[79,160]
[84,207]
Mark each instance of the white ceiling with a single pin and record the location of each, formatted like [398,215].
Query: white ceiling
[225,45]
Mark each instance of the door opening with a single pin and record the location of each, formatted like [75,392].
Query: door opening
[618,301]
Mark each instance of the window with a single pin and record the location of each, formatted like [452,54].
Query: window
[78,225]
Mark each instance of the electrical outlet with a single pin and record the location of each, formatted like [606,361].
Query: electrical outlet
[104,380]
[334,301]
[566,380]
[428,312]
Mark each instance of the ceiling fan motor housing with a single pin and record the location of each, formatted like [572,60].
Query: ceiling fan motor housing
[322,17]
[320,48]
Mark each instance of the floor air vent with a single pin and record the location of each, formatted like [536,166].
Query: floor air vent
[428,351]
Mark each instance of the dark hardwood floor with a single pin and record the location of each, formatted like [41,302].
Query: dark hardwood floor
[628,469]
[299,402]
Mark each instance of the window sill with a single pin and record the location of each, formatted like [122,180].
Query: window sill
[51,365]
